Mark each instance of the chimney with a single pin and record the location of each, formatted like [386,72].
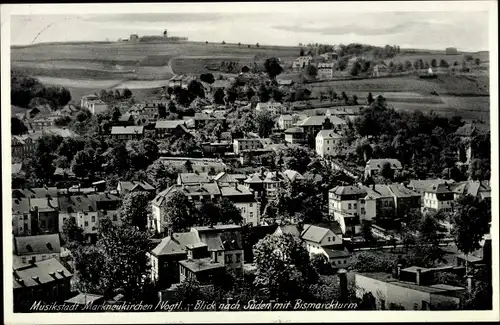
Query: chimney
[53,274]
[36,278]
[342,273]
[469,283]
[419,275]
[61,272]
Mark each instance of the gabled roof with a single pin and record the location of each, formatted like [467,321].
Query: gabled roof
[45,204]
[39,273]
[77,203]
[379,163]
[125,117]
[319,120]
[194,178]
[34,245]
[328,134]
[440,188]
[286,117]
[35,192]
[314,233]
[400,190]
[423,184]
[335,253]
[176,244]
[127,130]
[17,168]
[378,191]
[135,185]
[238,190]
[169,124]
[292,174]
[348,190]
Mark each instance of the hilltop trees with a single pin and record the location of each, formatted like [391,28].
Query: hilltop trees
[179,213]
[17,127]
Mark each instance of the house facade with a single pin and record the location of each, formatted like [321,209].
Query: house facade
[243,198]
[127,132]
[295,135]
[326,70]
[329,143]
[285,122]
[374,166]
[273,107]
[246,144]
[349,206]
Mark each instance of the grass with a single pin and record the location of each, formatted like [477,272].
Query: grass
[428,57]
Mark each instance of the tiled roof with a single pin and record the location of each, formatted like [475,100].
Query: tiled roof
[335,253]
[202,264]
[440,188]
[319,120]
[231,241]
[76,203]
[133,185]
[216,228]
[169,124]
[41,244]
[20,206]
[294,129]
[348,190]
[379,163]
[176,244]
[194,178]
[423,184]
[400,190]
[328,134]
[83,298]
[127,130]
[39,273]
[378,190]
[314,233]
[238,190]
[35,192]
[45,205]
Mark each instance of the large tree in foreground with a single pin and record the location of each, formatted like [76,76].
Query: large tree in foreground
[471,221]
[179,213]
[284,269]
[136,209]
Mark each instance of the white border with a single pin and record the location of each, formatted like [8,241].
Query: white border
[244,317]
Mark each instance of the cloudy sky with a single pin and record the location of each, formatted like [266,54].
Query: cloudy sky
[436,28]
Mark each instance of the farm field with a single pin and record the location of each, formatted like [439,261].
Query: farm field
[428,57]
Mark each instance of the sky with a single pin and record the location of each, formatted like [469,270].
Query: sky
[435,28]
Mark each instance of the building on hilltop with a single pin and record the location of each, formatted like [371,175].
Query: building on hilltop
[31,249]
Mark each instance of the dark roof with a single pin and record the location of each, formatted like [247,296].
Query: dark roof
[76,203]
[194,178]
[294,130]
[41,244]
[348,190]
[231,241]
[39,273]
[379,163]
[36,192]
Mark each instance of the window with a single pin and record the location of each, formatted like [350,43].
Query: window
[251,205]
[44,257]
[229,258]
[386,203]
[220,253]
[23,259]
[86,223]
[251,214]
[115,218]
[425,305]
[93,218]
[238,258]
[354,206]
[25,217]
[349,206]
[362,210]
[382,304]
[329,239]
[333,262]
[415,306]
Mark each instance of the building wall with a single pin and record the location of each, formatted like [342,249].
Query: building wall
[246,144]
[284,124]
[249,212]
[25,259]
[340,262]
[21,224]
[377,288]
[158,218]
[88,222]
[231,259]
[432,203]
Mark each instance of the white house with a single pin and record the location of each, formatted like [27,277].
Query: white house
[326,70]
[244,199]
[348,206]
[439,197]
[94,104]
[374,166]
[246,144]
[301,62]
[272,106]
[329,143]
[285,122]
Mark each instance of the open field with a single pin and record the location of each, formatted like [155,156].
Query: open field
[443,85]
[428,57]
